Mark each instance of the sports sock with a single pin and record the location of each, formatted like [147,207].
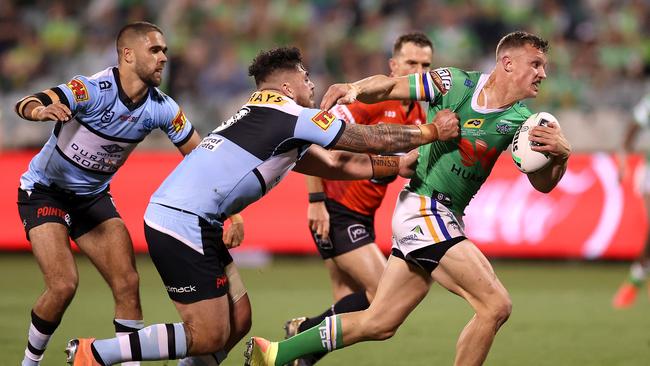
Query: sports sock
[155,342]
[213,359]
[353,302]
[638,274]
[325,337]
[125,327]
[39,334]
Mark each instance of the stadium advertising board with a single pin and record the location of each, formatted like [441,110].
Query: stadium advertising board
[589,215]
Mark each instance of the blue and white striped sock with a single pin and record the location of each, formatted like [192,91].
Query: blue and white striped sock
[40,332]
[126,327]
[155,342]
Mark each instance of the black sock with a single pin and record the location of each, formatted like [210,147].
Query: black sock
[353,302]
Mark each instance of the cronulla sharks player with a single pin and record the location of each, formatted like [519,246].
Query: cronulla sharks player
[65,192]
[237,164]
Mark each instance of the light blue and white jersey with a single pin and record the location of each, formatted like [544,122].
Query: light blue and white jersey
[83,154]
[243,159]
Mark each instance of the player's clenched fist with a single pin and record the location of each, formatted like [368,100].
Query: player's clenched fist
[54,112]
[447,125]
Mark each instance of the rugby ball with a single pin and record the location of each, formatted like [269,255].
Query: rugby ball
[527,160]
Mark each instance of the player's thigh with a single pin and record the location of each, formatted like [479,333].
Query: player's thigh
[46,222]
[109,247]
[342,283]
[465,271]
[401,288]
[51,248]
[101,234]
[207,322]
[364,264]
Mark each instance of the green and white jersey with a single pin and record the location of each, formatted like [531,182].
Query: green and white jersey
[453,171]
[641,115]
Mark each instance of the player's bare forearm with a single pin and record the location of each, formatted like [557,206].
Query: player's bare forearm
[546,179]
[372,89]
[384,138]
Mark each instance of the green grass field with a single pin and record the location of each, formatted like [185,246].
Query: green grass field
[561,315]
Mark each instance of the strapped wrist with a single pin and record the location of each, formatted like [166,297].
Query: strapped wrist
[35,112]
[384,166]
[317,197]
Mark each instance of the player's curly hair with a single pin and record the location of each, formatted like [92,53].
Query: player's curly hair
[520,39]
[268,62]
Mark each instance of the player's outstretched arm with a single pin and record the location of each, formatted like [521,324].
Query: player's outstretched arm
[393,138]
[552,142]
[342,165]
[372,89]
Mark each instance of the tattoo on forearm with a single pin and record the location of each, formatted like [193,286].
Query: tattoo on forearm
[384,166]
[383,138]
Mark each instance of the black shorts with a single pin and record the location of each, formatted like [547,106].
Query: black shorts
[188,275]
[428,257]
[349,230]
[79,213]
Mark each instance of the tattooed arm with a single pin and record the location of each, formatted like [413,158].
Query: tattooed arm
[392,138]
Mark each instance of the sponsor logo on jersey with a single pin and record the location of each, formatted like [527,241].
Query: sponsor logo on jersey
[357,232]
[468,83]
[407,238]
[178,123]
[181,290]
[323,119]
[442,79]
[210,143]
[221,281]
[504,127]
[477,153]
[266,97]
[112,149]
[417,229]
[474,123]
[105,84]
[53,211]
[78,89]
[128,118]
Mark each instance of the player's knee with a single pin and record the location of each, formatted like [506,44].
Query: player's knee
[378,328]
[499,309]
[126,284]
[63,288]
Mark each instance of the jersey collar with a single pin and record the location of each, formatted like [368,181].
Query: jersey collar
[128,103]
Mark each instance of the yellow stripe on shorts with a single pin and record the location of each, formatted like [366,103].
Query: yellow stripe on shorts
[427,219]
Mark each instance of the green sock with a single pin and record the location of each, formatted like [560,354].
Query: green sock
[325,337]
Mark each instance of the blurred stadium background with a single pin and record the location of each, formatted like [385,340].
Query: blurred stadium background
[599,68]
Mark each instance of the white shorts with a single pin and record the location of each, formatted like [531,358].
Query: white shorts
[421,222]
